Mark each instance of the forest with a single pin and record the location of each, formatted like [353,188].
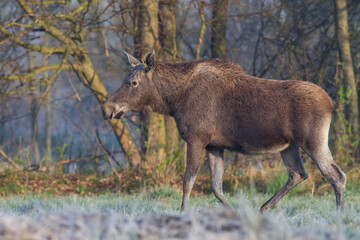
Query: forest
[61,59]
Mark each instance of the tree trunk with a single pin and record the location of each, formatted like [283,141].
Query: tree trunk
[218,29]
[148,26]
[167,37]
[167,33]
[146,39]
[48,154]
[351,110]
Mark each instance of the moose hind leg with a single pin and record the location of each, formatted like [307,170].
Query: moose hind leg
[297,173]
[327,166]
[216,162]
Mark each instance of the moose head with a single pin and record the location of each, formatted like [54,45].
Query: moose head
[136,90]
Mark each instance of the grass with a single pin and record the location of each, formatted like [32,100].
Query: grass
[39,205]
[131,216]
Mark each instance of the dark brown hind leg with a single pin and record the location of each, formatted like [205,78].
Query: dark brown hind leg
[292,160]
[326,164]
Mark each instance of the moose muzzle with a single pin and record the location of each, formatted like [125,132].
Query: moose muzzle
[113,110]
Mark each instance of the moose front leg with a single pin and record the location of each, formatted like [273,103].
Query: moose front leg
[193,161]
[216,162]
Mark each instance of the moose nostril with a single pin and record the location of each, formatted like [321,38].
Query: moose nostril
[111,115]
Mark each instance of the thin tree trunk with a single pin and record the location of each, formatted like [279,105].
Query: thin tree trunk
[48,154]
[351,110]
[218,29]
[167,37]
[34,150]
[202,29]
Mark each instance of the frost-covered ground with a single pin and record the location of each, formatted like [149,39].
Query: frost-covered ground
[155,215]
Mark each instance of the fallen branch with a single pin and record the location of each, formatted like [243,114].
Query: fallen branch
[65,162]
[10,160]
[35,167]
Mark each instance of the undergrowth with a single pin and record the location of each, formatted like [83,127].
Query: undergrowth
[267,179]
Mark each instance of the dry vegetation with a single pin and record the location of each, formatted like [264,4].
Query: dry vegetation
[201,225]
[153,216]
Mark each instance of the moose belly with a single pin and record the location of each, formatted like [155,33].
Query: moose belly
[251,150]
[252,146]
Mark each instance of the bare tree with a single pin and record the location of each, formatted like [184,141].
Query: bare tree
[68,29]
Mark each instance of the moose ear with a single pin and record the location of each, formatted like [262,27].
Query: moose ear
[130,60]
[149,60]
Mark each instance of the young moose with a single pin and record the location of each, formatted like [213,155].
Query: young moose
[217,106]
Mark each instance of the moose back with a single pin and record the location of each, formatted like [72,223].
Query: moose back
[217,106]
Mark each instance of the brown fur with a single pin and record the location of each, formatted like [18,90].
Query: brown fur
[218,106]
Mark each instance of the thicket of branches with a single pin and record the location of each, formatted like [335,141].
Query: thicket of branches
[60,59]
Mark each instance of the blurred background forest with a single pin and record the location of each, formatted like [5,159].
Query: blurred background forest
[60,60]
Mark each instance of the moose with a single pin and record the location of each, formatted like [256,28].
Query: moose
[217,106]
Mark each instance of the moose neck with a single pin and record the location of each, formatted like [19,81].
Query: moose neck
[171,80]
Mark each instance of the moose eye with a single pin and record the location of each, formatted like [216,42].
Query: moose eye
[134,83]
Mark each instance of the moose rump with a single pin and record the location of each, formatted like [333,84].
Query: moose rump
[218,106]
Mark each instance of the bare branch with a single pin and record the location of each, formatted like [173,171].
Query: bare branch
[23,25]
[49,2]
[35,167]
[32,47]
[84,5]
[54,32]
[35,71]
